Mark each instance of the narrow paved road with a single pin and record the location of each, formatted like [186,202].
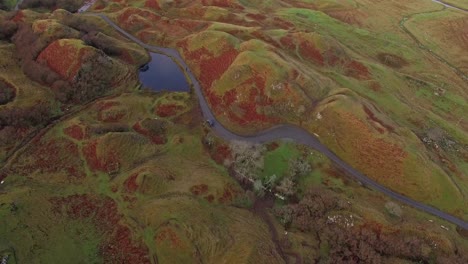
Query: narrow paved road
[295,133]
[450,6]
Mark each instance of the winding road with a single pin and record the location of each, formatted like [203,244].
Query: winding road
[295,133]
[449,6]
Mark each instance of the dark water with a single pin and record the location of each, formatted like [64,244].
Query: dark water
[163,74]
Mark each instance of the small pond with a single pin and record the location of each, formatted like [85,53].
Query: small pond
[163,74]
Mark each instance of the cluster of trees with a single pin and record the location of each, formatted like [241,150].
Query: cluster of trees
[69,5]
[26,116]
[15,119]
[7,29]
[103,42]
[93,79]
[248,162]
[29,45]
[102,129]
[362,242]
[129,52]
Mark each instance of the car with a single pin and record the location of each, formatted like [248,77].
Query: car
[210,122]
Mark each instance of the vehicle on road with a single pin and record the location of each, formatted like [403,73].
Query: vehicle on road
[210,122]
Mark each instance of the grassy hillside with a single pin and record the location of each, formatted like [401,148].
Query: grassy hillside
[97,170]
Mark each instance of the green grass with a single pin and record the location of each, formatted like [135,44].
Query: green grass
[10,3]
[277,161]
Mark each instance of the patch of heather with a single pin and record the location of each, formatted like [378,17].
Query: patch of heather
[229,194]
[212,68]
[117,245]
[372,117]
[167,110]
[257,98]
[222,3]
[53,156]
[357,70]
[310,52]
[192,25]
[209,198]
[130,184]
[74,131]
[257,17]
[156,139]
[167,234]
[107,114]
[221,153]
[199,189]
[125,17]
[272,146]
[153,4]
[19,17]
[281,23]
[90,154]
[288,42]
[104,163]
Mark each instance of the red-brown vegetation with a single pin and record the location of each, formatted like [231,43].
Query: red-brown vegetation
[128,16]
[131,184]
[109,113]
[256,99]
[167,234]
[104,162]
[63,58]
[117,245]
[357,70]
[373,155]
[392,60]
[54,156]
[222,3]
[199,189]
[167,110]
[229,194]
[257,17]
[157,136]
[153,4]
[281,23]
[311,52]
[19,17]
[221,153]
[74,131]
[212,68]
[209,198]
[372,117]
[272,146]
[288,42]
